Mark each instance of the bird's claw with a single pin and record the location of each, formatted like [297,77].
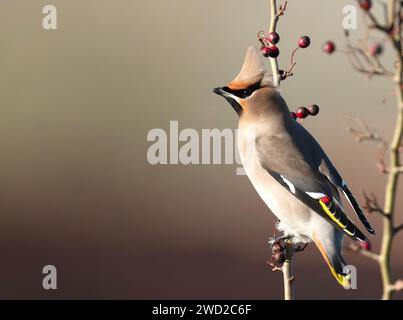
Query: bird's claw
[272,240]
[301,248]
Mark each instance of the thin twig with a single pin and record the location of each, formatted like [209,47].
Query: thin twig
[275,15]
[398,229]
[365,253]
[361,59]
[371,204]
[363,132]
[288,276]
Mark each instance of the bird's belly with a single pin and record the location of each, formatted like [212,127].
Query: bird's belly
[295,216]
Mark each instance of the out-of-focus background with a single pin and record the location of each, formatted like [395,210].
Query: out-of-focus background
[77,191]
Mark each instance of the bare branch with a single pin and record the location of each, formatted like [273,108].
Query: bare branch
[371,204]
[381,164]
[275,16]
[368,254]
[398,229]
[385,10]
[362,60]
[288,277]
[364,132]
[375,23]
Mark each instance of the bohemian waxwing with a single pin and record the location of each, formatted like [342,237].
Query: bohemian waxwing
[289,169]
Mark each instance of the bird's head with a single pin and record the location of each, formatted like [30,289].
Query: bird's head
[250,88]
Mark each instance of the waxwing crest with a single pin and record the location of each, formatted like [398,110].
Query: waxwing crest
[252,72]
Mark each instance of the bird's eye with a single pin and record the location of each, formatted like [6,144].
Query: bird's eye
[246,93]
[243,93]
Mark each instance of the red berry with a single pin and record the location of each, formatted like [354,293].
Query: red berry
[365,4]
[329,47]
[366,245]
[273,37]
[302,113]
[313,109]
[293,115]
[376,49]
[273,52]
[265,51]
[304,42]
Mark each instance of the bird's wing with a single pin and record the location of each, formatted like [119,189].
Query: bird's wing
[286,161]
[327,168]
[320,159]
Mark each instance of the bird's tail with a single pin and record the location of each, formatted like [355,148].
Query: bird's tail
[331,252]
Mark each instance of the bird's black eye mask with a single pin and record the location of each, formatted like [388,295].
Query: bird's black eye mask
[243,93]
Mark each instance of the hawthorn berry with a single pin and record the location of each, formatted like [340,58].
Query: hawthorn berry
[265,51]
[304,42]
[273,37]
[365,4]
[366,245]
[376,49]
[329,47]
[302,113]
[273,52]
[313,109]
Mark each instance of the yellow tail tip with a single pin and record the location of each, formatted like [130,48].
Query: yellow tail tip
[343,280]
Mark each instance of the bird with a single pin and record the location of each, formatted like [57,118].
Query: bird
[289,169]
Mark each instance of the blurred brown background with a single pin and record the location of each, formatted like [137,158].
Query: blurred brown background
[76,190]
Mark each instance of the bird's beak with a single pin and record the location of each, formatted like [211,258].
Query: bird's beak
[230,98]
[219,91]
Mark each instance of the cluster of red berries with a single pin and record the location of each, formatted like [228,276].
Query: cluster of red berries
[303,112]
[269,48]
[269,41]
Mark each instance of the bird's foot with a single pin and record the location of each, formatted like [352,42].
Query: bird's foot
[277,246]
[301,248]
[272,240]
[273,266]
